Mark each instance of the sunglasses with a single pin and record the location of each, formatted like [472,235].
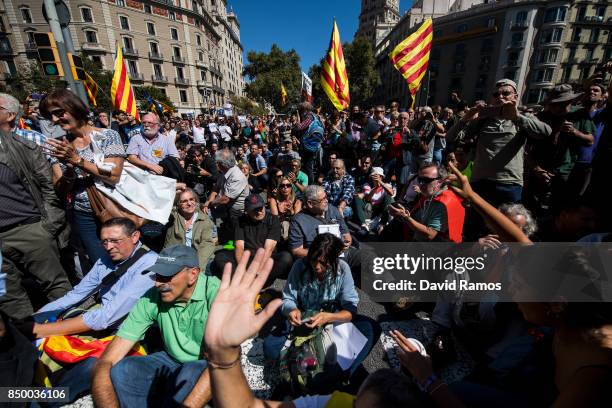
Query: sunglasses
[162,279]
[285,185]
[504,93]
[426,180]
[58,113]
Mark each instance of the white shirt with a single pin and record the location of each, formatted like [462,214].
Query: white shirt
[198,135]
[226,133]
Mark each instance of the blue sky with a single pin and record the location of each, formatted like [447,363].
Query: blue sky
[303,25]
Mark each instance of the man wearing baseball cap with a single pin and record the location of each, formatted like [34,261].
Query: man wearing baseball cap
[501,133]
[179,304]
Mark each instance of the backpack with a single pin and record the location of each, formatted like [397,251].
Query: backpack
[313,137]
[308,362]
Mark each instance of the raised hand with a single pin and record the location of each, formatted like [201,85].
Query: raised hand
[232,318]
[465,189]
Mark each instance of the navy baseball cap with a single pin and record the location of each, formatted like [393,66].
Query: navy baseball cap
[173,259]
[254,201]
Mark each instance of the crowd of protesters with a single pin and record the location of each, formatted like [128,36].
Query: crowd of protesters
[297,197]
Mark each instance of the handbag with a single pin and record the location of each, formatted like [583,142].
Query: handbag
[105,208]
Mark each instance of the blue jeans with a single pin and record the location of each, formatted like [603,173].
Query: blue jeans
[274,342]
[85,228]
[137,380]
[437,156]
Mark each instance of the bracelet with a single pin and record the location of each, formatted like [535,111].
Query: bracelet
[225,366]
[442,383]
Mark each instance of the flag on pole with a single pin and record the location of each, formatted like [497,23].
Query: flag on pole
[122,93]
[411,56]
[306,88]
[91,87]
[283,94]
[333,73]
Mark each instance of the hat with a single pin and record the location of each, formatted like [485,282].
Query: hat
[506,82]
[253,202]
[173,259]
[377,171]
[561,93]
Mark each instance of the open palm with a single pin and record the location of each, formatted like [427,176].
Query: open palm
[232,318]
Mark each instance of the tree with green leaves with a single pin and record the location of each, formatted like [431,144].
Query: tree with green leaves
[30,78]
[243,105]
[265,71]
[156,93]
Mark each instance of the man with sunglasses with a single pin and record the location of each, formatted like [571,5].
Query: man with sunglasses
[438,214]
[179,304]
[501,133]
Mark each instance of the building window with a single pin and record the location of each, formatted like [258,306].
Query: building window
[200,56]
[91,36]
[157,70]
[203,75]
[121,3]
[588,54]
[132,67]
[567,73]
[124,23]
[491,23]
[174,33]
[581,13]
[30,35]
[572,54]
[147,8]
[521,17]
[594,35]
[183,95]
[577,35]
[97,60]
[179,73]
[154,48]
[150,28]
[171,15]
[548,56]
[556,14]
[551,36]
[127,44]
[198,40]
[86,15]
[26,15]
[544,75]
[177,52]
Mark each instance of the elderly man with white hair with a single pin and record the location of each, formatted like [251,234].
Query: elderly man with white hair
[340,188]
[31,217]
[149,147]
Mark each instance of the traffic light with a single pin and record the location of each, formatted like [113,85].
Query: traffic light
[76,66]
[48,55]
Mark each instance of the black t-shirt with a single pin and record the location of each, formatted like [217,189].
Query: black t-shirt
[255,233]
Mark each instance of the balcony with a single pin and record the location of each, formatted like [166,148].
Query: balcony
[589,61]
[201,84]
[181,81]
[200,64]
[218,89]
[178,59]
[159,79]
[130,52]
[593,20]
[519,25]
[156,56]
[516,45]
[215,71]
[136,76]
[91,46]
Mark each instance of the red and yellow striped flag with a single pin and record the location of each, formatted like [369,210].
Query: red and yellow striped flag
[411,56]
[122,94]
[333,73]
[283,95]
[91,87]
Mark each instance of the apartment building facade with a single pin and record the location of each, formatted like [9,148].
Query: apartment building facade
[536,43]
[186,48]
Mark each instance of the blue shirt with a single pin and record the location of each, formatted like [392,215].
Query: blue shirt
[585,153]
[339,190]
[305,227]
[152,150]
[117,300]
[32,136]
[305,292]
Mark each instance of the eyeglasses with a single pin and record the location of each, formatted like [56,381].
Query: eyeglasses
[503,93]
[285,185]
[162,278]
[426,180]
[150,123]
[112,241]
[58,113]
[324,199]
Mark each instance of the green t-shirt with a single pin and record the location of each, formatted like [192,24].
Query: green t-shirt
[433,215]
[301,178]
[181,324]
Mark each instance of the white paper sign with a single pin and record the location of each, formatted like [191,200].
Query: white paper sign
[333,229]
[349,342]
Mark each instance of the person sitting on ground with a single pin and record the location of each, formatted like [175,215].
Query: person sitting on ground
[375,202]
[438,213]
[256,229]
[318,216]
[189,225]
[179,304]
[284,204]
[299,179]
[287,153]
[232,321]
[150,148]
[320,290]
[109,285]
[259,168]
[340,187]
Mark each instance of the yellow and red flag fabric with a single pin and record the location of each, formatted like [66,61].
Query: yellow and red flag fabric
[92,88]
[122,93]
[333,73]
[411,56]
[283,94]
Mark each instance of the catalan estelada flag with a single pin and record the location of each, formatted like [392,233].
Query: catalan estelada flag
[333,73]
[122,94]
[91,87]
[411,56]
[283,94]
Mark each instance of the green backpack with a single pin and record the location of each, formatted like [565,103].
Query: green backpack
[308,362]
